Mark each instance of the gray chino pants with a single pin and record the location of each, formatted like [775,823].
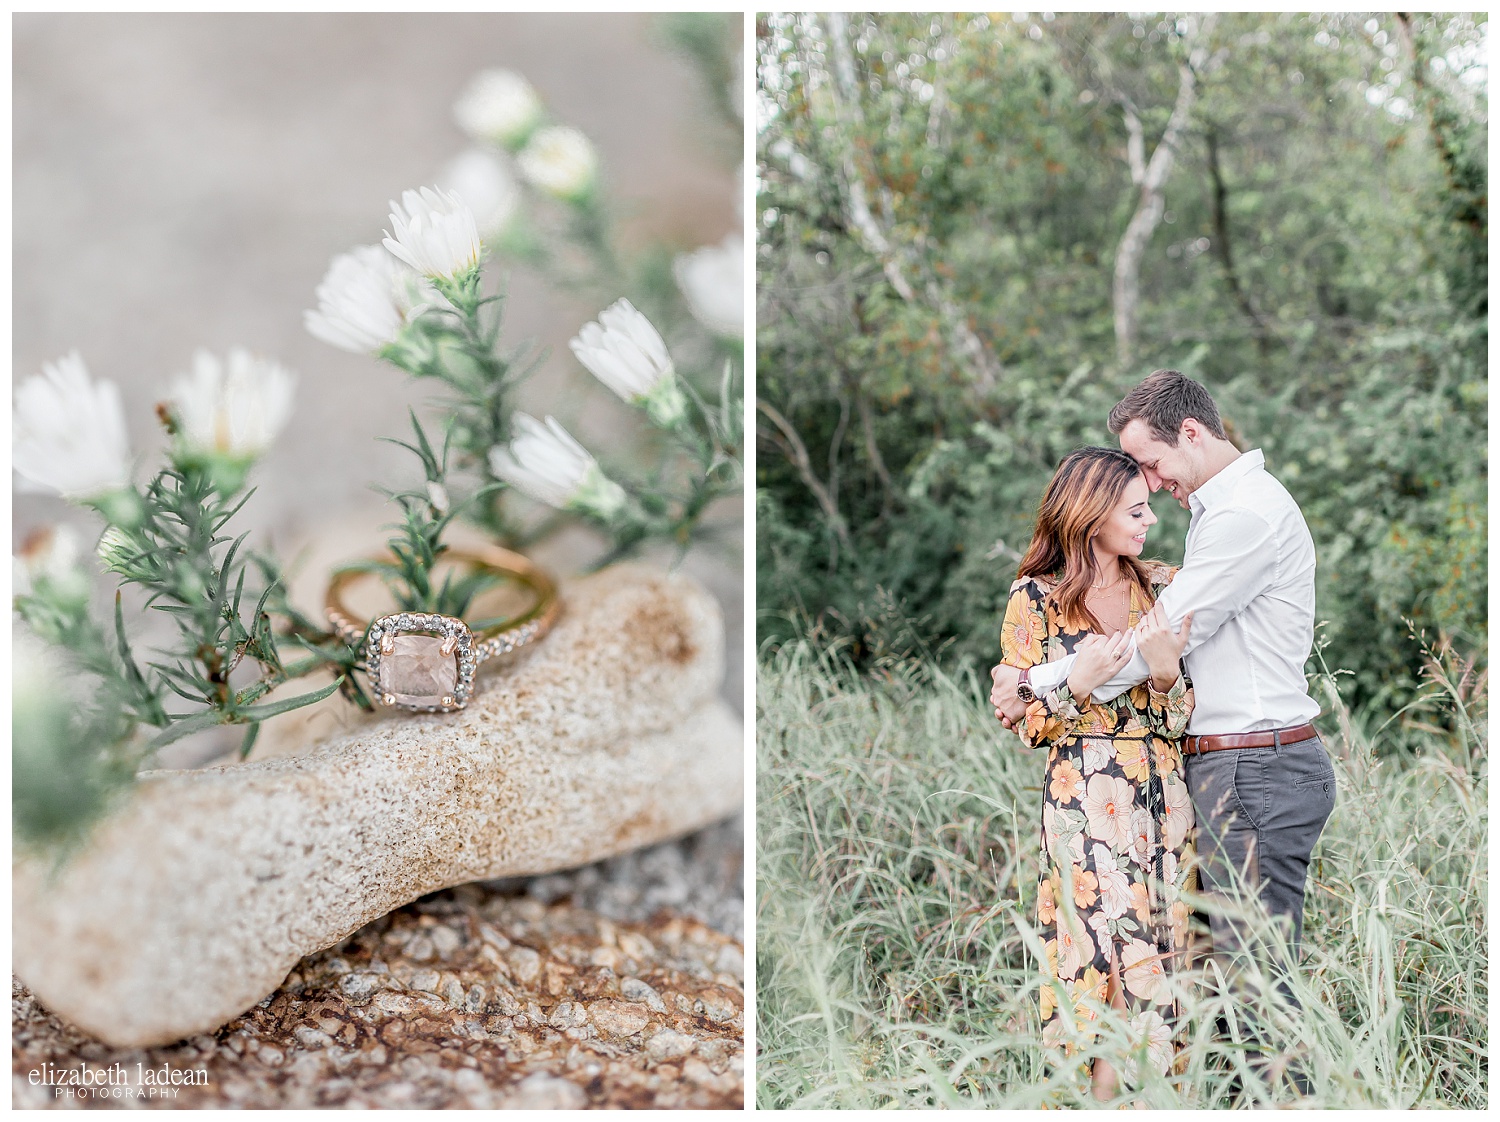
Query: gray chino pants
[1260,812]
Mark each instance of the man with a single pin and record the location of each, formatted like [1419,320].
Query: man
[1261,783]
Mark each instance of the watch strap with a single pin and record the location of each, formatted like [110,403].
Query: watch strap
[1024,690]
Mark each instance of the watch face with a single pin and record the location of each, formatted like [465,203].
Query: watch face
[1025,693]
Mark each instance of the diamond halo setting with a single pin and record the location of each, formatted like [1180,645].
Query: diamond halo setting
[425,662]
[420,662]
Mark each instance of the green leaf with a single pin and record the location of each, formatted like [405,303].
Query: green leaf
[209,718]
[273,708]
[248,743]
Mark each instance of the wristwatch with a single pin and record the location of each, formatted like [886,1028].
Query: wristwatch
[1023,687]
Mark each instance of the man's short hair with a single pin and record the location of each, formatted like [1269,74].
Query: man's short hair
[1164,399]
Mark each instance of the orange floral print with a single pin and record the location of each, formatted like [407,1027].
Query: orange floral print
[1134,758]
[1046,904]
[1085,887]
[1123,864]
[1066,785]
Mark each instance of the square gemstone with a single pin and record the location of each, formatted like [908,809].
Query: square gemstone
[417,672]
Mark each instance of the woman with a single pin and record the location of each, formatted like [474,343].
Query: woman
[1116,813]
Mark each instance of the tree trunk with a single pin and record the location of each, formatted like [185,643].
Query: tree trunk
[857,202]
[973,354]
[1151,178]
[1466,175]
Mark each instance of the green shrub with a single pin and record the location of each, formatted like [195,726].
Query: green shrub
[1331,296]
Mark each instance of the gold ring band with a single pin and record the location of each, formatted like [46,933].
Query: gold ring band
[426,662]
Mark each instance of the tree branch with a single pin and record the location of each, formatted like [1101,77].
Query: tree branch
[796,453]
[834,447]
[1263,331]
[872,451]
[1135,143]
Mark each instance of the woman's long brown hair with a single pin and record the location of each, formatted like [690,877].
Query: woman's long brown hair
[1087,487]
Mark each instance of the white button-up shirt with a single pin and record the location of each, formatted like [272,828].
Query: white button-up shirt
[1247,577]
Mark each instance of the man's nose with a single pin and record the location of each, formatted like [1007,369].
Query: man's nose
[1153,481]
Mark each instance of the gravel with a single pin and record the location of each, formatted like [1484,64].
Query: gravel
[617,985]
[699,876]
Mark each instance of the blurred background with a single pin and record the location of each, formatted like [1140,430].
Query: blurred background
[182,181]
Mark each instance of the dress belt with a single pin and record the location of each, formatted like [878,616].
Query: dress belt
[1197,745]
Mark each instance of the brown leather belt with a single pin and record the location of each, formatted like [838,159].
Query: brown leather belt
[1197,745]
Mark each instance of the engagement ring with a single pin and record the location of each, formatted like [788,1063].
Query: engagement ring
[425,662]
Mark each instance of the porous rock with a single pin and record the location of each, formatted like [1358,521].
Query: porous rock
[193,901]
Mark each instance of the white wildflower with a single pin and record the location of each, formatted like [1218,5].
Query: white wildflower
[562,162]
[366,299]
[437,496]
[545,462]
[116,549]
[480,178]
[435,233]
[713,281]
[234,409]
[625,352]
[49,556]
[500,106]
[68,432]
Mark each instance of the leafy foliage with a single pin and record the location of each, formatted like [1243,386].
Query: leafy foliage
[1320,265]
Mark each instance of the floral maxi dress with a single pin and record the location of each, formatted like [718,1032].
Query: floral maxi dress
[1115,821]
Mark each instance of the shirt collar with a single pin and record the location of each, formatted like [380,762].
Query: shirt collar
[1217,488]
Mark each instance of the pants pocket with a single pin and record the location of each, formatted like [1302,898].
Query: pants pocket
[1313,786]
[1250,789]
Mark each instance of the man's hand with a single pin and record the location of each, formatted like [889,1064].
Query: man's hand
[1008,707]
[1161,646]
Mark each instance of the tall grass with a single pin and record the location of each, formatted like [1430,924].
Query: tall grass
[898,852]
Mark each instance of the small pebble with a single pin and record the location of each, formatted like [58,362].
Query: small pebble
[359,985]
[637,990]
[569,1014]
[311,1037]
[525,964]
[425,980]
[668,1044]
[619,1018]
[545,1092]
[444,939]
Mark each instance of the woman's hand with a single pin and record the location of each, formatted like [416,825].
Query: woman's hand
[1098,660]
[1161,646]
